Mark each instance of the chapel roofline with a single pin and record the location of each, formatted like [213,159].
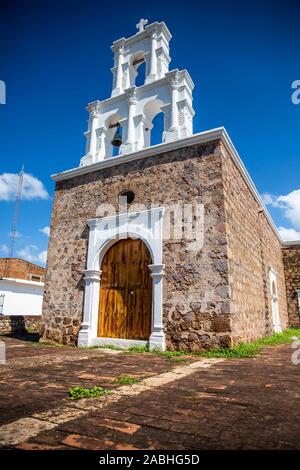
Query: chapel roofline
[211,135]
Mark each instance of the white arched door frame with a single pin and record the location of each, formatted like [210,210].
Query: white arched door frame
[274,301]
[103,233]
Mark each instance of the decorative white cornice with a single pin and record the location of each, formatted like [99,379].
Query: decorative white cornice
[179,76]
[219,133]
[157,270]
[94,105]
[131,95]
[146,87]
[186,103]
[92,275]
[124,216]
[202,137]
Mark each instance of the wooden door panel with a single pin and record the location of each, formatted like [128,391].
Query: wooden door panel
[126,291]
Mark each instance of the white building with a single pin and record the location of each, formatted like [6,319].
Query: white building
[21,288]
[20,297]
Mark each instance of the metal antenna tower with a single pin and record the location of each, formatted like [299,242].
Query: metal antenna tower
[13,231]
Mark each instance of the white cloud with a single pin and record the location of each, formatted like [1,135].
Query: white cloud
[45,230]
[43,256]
[289,205]
[269,199]
[31,253]
[32,187]
[288,234]
[4,249]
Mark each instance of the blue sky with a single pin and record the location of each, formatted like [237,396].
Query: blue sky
[55,57]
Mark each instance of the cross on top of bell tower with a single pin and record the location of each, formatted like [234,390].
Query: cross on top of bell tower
[131,109]
[141,25]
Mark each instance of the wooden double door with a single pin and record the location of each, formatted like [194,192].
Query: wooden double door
[126,291]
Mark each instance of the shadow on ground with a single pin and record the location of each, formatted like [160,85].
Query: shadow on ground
[23,335]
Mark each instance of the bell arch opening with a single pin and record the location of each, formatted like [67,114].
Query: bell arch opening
[154,118]
[138,69]
[141,74]
[111,127]
[157,132]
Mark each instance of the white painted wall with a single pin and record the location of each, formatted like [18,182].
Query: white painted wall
[21,297]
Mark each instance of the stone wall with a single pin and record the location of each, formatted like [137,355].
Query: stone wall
[253,248]
[196,294]
[19,323]
[215,296]
[291,259]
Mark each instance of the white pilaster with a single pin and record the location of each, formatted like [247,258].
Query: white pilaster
[173,133]
[93,136]
[153,60]
[119,73]
[101,134]
[131,134]
[91,299]
[157,337]
[174,106]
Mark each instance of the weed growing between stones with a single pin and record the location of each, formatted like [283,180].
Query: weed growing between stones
[242,350]
[252,349]
[127,380]
[77,393]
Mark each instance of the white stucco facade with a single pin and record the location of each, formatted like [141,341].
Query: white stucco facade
[21,297]
[134,107]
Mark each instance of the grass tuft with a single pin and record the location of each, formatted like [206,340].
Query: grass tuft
[241,350]
[139,349]
[105,346]
[127,380]
[77,393]
[252,349]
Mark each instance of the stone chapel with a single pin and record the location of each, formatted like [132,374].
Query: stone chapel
[166,245]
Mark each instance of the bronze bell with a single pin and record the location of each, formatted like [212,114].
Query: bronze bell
[117,139]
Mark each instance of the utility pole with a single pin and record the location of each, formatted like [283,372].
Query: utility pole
[13,231]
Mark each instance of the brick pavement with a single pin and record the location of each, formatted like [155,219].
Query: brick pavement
[195,404]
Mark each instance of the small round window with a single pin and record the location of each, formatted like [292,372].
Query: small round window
[126,197]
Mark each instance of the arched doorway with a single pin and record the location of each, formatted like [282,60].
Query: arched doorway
[126,291]
[274,301]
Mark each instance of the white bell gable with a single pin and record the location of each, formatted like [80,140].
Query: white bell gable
[135,107]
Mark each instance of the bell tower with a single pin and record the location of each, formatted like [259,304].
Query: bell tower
[125,119]
[150,45]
